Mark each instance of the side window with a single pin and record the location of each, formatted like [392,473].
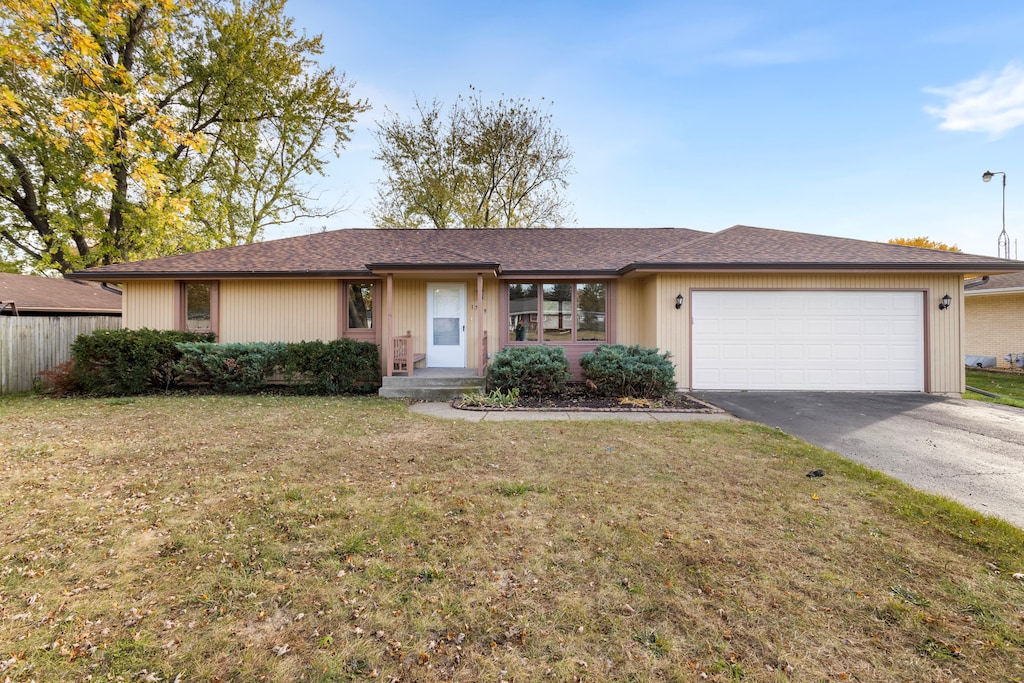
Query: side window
[357,310]
[199,307]
[360,306]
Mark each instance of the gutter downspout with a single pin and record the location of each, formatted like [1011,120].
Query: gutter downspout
[983,281]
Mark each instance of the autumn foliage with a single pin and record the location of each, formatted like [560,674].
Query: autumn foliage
[923,242]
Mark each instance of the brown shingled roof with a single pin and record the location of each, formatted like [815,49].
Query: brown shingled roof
[598,251]
[33,294]
[744,247]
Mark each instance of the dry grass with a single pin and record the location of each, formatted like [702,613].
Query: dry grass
[290,538]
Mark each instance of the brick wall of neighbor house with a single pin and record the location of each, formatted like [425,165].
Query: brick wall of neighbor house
[944,371]
[148,303]
[994,325]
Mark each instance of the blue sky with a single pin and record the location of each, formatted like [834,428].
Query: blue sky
[868,120]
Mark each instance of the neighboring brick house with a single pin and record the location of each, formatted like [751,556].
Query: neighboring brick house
[994,317]
[743,308]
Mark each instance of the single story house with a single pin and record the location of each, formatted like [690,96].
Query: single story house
[994,317]
[54,296]
[743,308]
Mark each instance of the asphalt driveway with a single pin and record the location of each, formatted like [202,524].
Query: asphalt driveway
[968,451]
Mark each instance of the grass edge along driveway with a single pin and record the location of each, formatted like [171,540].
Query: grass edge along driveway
[302,538]
[1009,386]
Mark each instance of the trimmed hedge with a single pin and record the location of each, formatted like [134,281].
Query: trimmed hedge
[335,367]
[341,366]
[533,370]
[128,362]
[231,368]
[629,371]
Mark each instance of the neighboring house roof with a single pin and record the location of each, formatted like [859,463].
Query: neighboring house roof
[34,294]
[543,251]
[996,284]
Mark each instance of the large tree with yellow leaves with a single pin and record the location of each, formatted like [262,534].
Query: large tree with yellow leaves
[136,128]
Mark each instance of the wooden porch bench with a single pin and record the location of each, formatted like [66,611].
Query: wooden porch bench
[403,357]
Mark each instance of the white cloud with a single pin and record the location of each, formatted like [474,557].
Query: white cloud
[986,104]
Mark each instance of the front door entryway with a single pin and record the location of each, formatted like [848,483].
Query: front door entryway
[446,325]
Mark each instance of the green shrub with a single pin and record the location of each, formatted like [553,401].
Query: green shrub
[341,366]
[533,370]
[629,371]
[231,368]
[128,362]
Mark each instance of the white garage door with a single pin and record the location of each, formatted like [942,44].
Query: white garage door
[803,340]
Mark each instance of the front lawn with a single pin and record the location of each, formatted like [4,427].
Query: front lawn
[1009,386]
[290,538]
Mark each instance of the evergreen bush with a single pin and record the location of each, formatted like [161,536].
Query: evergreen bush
[128,362]
[533,370]
[231,368]
[628,371]
[341,366]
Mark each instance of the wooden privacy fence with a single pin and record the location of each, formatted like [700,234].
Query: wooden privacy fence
[32,344]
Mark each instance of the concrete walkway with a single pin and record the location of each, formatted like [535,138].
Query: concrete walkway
[445,410]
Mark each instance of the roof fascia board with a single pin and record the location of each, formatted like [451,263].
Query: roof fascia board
[987,292]
[408,268]
[557,274]
[221,275]
[808,267]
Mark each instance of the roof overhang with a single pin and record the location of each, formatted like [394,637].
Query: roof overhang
[953,269]
[112,276]
[989,292]
[433,268]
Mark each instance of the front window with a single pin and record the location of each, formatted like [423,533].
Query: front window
[557,313]
[522,312]
[590,312]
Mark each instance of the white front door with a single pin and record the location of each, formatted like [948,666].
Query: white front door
[446,325]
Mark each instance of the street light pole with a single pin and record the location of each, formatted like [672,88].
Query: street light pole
[1003,244]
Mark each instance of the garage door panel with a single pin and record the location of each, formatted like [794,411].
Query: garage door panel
[845,340]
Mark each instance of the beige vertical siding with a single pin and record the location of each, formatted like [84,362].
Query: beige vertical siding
[630,318]
[149,304]
[278,310]
[943,329]
[994,325]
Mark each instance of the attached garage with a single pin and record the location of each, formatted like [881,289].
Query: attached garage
[808,340]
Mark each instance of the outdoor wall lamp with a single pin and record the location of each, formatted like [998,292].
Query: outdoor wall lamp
[679,301]
[946,301]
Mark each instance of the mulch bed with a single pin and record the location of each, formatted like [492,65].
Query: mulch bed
[577,399]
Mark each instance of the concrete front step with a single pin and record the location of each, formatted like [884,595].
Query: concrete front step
[430,388]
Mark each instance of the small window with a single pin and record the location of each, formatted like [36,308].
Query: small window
[360,306]
[199,305]
[357,310]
